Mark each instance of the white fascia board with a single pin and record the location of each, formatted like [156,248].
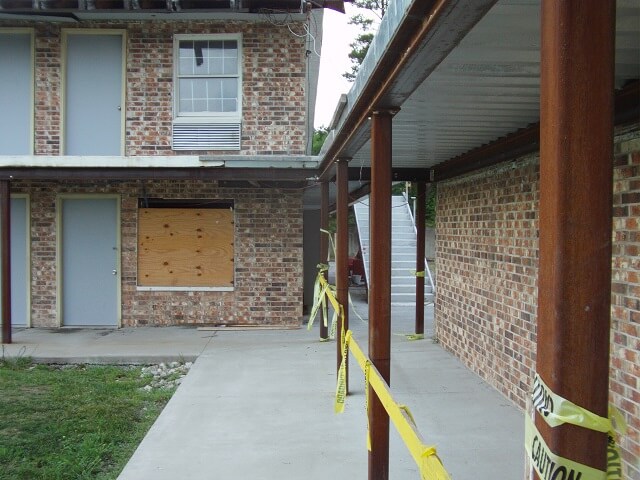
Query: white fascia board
[68,161]
[167,161]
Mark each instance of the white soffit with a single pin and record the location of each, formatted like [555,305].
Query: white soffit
[489,86]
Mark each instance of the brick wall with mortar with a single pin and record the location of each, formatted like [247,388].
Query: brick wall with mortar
[273,87]
[268,255]
[487,262]
[625,298]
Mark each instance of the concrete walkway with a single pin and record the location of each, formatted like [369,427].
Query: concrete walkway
[259,404]
[108,346]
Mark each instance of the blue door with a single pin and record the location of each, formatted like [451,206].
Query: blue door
[93,95]
[20,277]
[16,85]
[89,248]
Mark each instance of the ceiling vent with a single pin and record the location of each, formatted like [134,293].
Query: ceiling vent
[202,136]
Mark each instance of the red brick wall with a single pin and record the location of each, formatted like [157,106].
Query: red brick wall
[268,256]
[486,263]
[625,298]
[274,104]
[487,251]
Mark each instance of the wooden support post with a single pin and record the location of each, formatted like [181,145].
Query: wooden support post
[380,287]
[419,214]
[324,247]
[5,258]
[342,251]
[576,142]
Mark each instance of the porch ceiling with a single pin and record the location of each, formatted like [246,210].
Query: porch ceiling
[484,84]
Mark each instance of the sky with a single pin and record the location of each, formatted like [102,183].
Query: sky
[334,61]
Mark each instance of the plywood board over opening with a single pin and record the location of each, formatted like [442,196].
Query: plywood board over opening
[185,247]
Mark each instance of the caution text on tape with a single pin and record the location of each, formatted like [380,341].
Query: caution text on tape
[556,410]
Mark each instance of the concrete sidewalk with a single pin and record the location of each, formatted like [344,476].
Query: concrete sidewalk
[260,405]
[108,346]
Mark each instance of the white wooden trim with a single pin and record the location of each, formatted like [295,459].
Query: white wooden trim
[184,289]
[66,32]
[79,196]
[87,161]
[168,161]
[211,117]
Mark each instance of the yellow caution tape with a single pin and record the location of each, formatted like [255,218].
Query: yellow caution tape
[341,387]
[425,456]
[411,336]
[333,245]
[417,274]
[367,373]
[415,336]
[556,410]
[551,466]
[323,292]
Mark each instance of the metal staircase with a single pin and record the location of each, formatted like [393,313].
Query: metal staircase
[403,254]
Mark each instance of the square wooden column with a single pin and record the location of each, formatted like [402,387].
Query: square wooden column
[380,287]
[324,248]
[342,253]
[576,143]
[419,214]
[5,258]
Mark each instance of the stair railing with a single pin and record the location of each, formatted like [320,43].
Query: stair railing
[365,255]
[413,221]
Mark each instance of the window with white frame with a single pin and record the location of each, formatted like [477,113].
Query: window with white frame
[208,92]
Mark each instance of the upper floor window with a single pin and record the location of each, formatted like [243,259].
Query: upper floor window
[208,92]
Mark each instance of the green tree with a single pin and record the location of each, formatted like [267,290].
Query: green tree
[319,136]
[368,21]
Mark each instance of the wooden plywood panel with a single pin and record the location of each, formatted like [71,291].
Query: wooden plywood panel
[185,247]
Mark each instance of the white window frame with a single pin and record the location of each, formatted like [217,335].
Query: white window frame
[210,117]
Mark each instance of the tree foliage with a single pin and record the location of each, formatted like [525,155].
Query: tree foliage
[367,21]
[319,136]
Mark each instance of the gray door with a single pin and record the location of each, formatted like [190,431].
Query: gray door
[19,263]
[15,94]
[93,95]
[89,249]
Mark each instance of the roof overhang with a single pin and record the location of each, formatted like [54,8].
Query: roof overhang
[464,77]
[76,10]
[258,170]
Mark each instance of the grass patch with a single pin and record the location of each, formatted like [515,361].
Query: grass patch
[79,422]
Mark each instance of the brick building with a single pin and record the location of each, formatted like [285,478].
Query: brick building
[152,150]
[488,257]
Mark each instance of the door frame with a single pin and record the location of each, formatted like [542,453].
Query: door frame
[27,199]
[66,33]
[32,84]
[60,198]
